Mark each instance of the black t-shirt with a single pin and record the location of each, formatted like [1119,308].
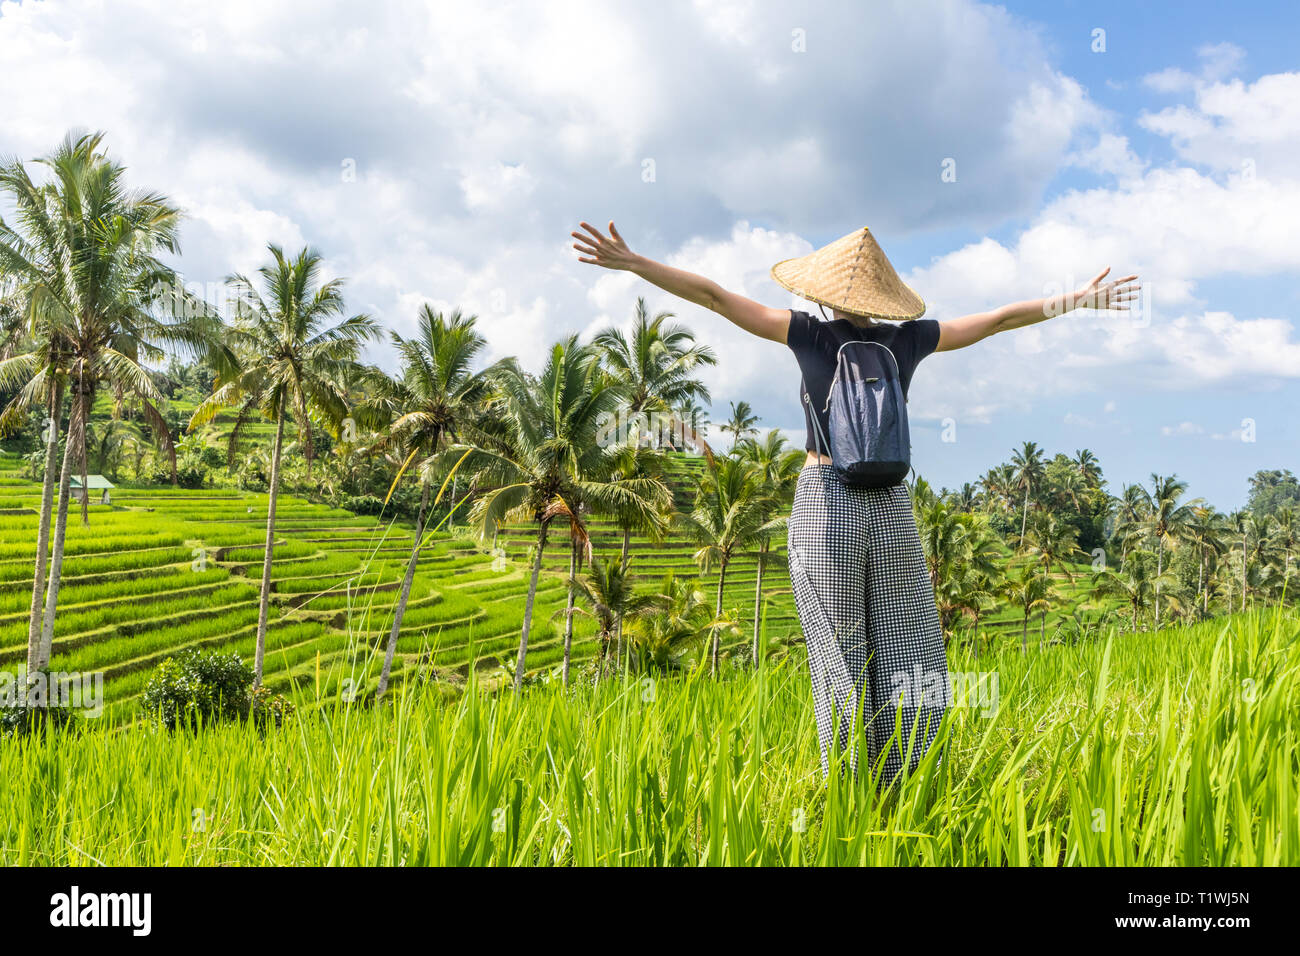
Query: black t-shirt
[816,344]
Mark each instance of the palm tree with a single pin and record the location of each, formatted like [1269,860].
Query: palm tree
[694,421]
[436,393]
[973,590]
[1027,590]
[631,461]
[967,497]
[1088,468]
[1055,545]
[1132,509]
[607,589]
[999,487]
[1285,537]
[1206,530]
[655,364]
[778,469]
[98,304]
[742,424]
[1168,521]
[1135,583]
[731,510]
[537,453]
[285,356]
[1029,471]
[673,619]
[960,553]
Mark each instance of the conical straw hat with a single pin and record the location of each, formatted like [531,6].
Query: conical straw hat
[852,275]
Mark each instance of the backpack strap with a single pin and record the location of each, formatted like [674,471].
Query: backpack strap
[818,437]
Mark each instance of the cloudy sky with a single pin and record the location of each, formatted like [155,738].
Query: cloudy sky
[441,152]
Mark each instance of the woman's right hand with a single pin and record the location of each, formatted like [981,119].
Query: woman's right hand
[610,252]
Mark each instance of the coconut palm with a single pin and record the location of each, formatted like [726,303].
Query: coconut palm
[1054,545]
[1029,471]
[777,467]
[674,619]
[1026,588]
[967,497]
[82,260]
[960,553]
[607,590]
[742,424]
[1088,468]
[1132,508]
[656,363]
[1207,531]
[1169,523]
[538,455]
[1285,537]
[1135,583]
[694,422]
[286,354]
[435,394]
[975,585]
[631,461]
[730,513]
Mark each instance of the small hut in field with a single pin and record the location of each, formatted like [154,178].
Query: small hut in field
[95,484]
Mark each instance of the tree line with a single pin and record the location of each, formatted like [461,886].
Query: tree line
[90,311]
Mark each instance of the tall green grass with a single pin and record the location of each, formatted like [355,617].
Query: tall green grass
[1171,749]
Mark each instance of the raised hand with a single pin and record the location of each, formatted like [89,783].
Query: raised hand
[1099,294]
[610,251]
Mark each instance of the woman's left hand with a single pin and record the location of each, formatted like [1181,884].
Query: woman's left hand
[1099,294]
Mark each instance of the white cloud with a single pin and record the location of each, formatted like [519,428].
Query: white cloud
[1182,429]
[482,133]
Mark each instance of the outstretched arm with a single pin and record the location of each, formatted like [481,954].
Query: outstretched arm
[1097,294]
[611,252]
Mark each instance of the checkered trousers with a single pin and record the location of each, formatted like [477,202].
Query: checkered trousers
[867,611]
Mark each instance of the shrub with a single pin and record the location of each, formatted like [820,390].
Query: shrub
[201,687]
[364,504]
[19,720]
[268,708]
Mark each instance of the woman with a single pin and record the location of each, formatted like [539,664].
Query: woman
[859,576]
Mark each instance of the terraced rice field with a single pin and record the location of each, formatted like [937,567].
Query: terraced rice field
[163,569]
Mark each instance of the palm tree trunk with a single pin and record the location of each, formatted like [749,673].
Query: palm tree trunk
[758,597]
[1024,634]
[1200,580]
[405,594]
[264,604]
[1160,567]
[627,540]
[528,608]
[43,532]
[76,429]
[1243,572]
[568,620]
[1024,516]
[618,643]
[722,577]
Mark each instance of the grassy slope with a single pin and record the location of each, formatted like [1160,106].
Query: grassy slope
[1175,749]
[133,592]
[165,569]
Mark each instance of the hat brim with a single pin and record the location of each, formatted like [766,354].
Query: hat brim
[901,309]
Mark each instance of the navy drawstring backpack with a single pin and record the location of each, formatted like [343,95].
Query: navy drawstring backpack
[869,443]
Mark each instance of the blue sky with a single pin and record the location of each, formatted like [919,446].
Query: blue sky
[441,152]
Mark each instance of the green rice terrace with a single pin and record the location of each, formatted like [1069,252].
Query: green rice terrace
[162,569]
